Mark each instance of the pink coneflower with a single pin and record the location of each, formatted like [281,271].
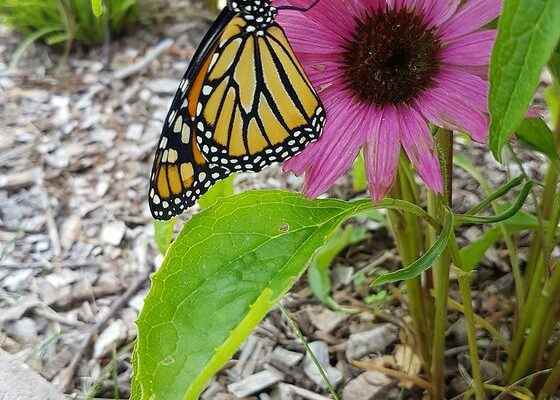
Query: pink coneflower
[384,70]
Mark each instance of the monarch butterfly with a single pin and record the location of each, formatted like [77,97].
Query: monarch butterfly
[245,102]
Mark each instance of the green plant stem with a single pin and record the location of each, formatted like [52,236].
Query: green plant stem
[465,288]
[552,383]
[555,355]
[549,193]
[408,240]
[539,302]
[527,357]
[536,263]
[436,204]
[464,277]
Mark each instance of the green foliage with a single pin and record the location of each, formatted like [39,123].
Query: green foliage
[528,32]
[503,215]
[474,251]
[226,269]
[534,133]
[554,63]
[98,7]
[359,177]
[221,189]
[163,232]
[60,21]
[552,98]
[426,260]
[319,269]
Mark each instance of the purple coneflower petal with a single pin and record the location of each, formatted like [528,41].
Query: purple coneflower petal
[471,49]
[325,161]
[472,16]
[472,89]
[417,141]
[436,12]
[445,110]
[369,105]
[382,153]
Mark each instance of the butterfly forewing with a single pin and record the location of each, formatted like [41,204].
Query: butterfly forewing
[180,174]
[244,103]
[257,106]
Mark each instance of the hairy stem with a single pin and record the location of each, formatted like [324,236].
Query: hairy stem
[436,204]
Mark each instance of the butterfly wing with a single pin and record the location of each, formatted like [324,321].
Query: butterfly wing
[257,106]
[180,174]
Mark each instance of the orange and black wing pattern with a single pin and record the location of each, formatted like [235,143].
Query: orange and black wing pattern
[257,106]
[180,173]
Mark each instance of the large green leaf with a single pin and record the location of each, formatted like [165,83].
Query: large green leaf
[220,277]
[221,189]
[528,31]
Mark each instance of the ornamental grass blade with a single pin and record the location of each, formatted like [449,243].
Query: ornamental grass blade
[528,32]
[229,265]
[426,260]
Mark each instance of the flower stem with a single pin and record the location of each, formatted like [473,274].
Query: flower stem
[436,204]
[409,244]
[539,257]
[542,311]
[464,278]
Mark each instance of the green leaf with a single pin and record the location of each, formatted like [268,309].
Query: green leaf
[498,193]
[503,216]
[552,99]
[229,265]
[474,251]
[537,135]
[319,268]
[426,260]
[554,63]
[163,232]
[221,189]
[97,7]
[528,31]
[359,178]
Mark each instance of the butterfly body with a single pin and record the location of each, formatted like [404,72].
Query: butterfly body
[243,104]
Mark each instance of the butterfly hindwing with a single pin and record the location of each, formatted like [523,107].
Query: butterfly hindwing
[257,106]
[180,174]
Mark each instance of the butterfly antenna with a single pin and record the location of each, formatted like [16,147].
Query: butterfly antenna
[294,8]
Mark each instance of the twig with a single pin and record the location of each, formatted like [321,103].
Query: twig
[51,222]
[69,372]
[306,394]
[51,315]
[44,265]
[150,56]
[401,376]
